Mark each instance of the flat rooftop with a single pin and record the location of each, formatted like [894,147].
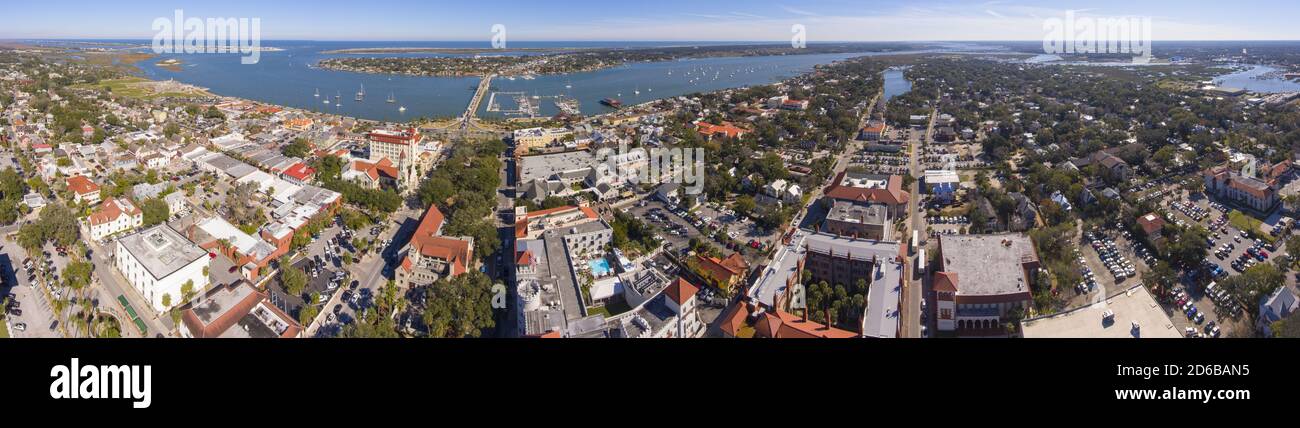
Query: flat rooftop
[987,265]
[849,212]
[882,318]
[1129,306]
[858,249]
[546,166]
[161,250]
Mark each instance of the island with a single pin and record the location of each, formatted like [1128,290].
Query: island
[560,61]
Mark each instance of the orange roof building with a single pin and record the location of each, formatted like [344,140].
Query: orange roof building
[724,273]
[114,216]
[429,256]
[84,189]
[726,129]
[745,320]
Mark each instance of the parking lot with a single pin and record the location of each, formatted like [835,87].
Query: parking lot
[1108,261]
[1200,303]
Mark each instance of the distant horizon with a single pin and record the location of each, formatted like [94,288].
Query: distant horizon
[659,21]
[488,42]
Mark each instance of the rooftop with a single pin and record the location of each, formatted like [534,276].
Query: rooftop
[849,212]
[1134,305]
[882,318]
[859,249]
[987,265]
[161,250]
[546,166]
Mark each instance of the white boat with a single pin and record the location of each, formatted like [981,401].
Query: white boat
[317,92]
[391,99]
[402,109]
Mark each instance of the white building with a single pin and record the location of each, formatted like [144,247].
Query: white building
[114,216]
[158,262]
[176,202]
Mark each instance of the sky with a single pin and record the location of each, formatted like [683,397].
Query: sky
[652,20]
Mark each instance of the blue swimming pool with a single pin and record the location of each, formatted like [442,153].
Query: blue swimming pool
[599,267]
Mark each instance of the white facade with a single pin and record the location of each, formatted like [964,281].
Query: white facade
[114,216]
[153,288]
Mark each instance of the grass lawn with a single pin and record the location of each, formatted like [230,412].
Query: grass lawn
[4,331]
[1244,222]
[133,87]
[610,309]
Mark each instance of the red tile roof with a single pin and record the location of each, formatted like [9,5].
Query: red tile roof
[1151,223]
[300,171]
[726,128]
[81,185]
[111,209]
[723,270]
[945,282]
[406,136]
[891,194]
[681,291]
[428,243]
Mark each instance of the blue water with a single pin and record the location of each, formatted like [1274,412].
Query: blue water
[599,267]
[896,83]
[287,78]
[1249,79]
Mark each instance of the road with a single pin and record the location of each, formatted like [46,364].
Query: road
[915,288]
[483,85]
[112,284]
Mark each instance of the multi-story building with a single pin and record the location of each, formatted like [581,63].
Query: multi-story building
[237,311]
[83,189]
[158,262]
[841,260]
[861,221]
[1244,190]
[536,138]
[404,148]
[723,273]
[980,279]
[869,189]
[429,256]
[114,216]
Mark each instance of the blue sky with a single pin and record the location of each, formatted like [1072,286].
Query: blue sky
[653,20]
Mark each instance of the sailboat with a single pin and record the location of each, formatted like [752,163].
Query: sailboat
[317,92]
[638,90]
[401,109]
[568,85]
[391,99]
[338,95]
[362,93]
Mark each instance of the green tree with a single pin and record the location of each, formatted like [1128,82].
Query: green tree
[187,290]
[155,211]
[294,280]
[307,314]
[460,306]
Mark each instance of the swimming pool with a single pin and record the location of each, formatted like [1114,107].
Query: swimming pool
[599,267]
